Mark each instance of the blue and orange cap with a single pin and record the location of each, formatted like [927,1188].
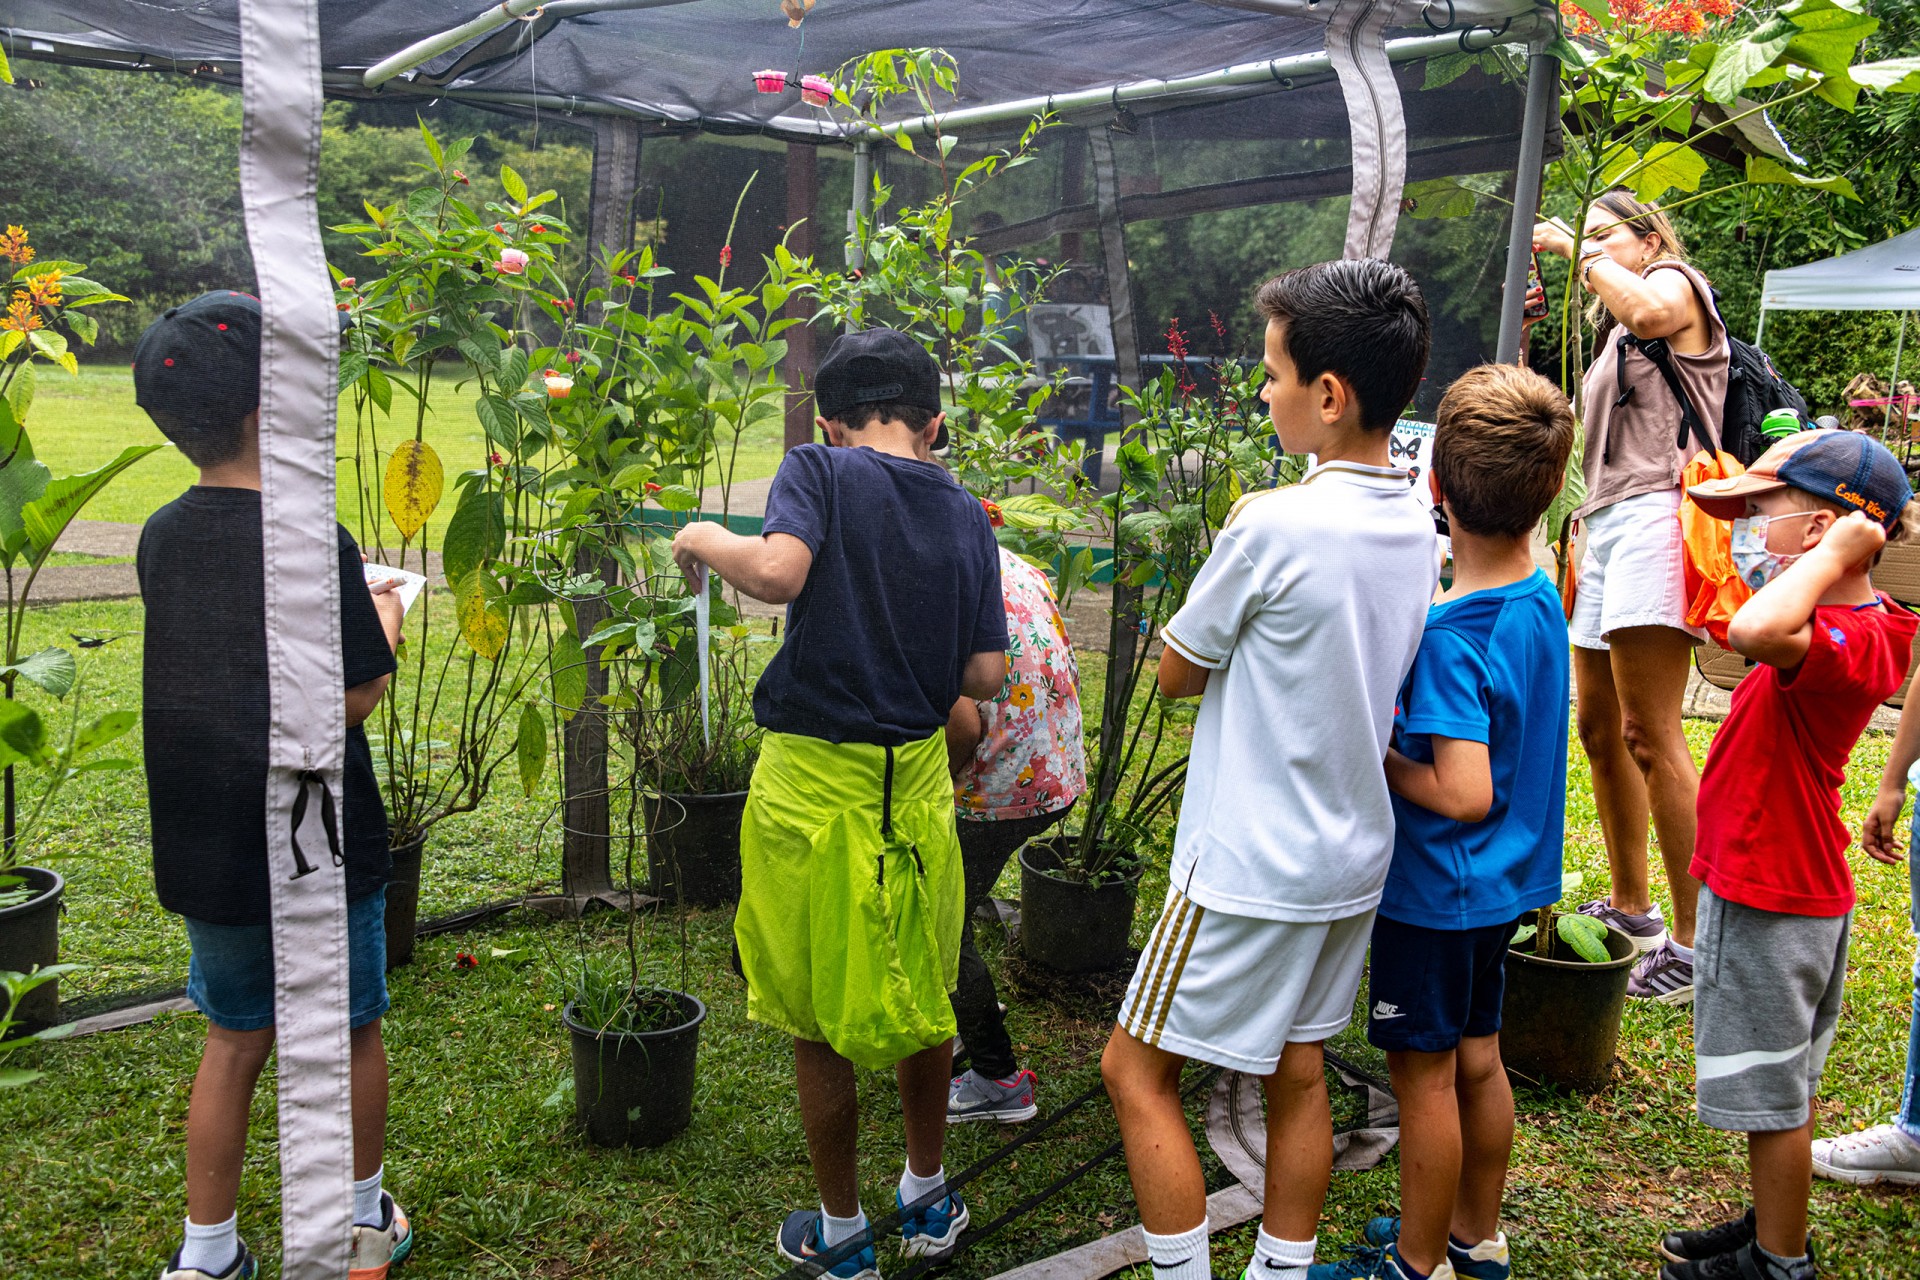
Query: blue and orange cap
[1842,467]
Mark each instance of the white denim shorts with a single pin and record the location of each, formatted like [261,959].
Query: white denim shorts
[1234,991]
[1633,573]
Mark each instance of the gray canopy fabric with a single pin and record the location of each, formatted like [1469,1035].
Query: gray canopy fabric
[1880,277]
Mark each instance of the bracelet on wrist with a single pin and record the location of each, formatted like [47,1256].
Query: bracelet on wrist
[1587,262]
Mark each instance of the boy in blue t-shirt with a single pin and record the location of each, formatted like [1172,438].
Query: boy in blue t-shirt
[1478,771]
[851,888]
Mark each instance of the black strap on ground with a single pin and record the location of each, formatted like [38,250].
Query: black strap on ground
[887,1225]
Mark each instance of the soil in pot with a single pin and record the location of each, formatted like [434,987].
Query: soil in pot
[1067,924]
[693,847]
[635,1088]
[1561,1020]
[30,936]
[403,902]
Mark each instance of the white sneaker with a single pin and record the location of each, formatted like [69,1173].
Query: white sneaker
[1884,1153]
[377,1250]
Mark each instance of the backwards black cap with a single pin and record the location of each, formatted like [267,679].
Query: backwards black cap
[877,366]
[198,365]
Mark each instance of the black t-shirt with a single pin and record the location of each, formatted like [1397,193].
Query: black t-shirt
[205,710]
[904,587]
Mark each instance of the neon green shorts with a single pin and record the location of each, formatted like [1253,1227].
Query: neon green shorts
[851,895]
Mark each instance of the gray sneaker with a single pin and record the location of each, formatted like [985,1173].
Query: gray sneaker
[1645,932]
[1884,1153]
[1662,976]
[974,1097]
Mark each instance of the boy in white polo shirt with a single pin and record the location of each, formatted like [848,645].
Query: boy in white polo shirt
[1299,629]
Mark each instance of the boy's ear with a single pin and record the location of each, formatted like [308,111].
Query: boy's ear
[932,431]
[1335,396]
[836,431]
[1818,525]
[1433,487]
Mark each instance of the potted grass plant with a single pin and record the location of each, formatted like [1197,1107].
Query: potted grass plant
[1566,996]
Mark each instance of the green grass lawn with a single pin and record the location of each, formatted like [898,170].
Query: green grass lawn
[79,423]
[483,1153]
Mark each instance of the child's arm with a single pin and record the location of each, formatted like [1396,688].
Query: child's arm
[771,567]
[362,699]
[1776,626]
[1458,784]
[1180,676]
[1876,833]
[964,732]
[984,675]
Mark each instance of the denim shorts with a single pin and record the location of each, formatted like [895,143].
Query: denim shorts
[230,978]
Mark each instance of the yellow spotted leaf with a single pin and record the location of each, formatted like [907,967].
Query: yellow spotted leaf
[414,482]
[483,615]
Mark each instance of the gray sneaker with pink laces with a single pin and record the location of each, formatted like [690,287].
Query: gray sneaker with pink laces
[1645,932]
[1662,976]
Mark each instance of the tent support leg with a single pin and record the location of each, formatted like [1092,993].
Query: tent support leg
[1760,330]
[859,209]
[1543,100]
[803,193]
[1893,385]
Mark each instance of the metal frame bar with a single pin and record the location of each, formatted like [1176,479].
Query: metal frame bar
[421,52]
[1543,103]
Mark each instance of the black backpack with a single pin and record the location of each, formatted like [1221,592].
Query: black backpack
[1754,389]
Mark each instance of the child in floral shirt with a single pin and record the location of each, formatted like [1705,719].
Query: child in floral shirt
[1018,765]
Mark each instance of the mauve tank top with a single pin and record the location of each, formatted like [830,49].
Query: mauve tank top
[1634,448]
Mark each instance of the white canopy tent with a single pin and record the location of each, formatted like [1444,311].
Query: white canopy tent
[1880,277]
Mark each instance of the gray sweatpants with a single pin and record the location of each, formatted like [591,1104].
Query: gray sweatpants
[1766,1000]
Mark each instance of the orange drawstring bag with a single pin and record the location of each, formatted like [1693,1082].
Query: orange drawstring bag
[1714,591]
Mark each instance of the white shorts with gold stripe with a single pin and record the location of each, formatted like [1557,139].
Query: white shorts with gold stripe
[1234,990]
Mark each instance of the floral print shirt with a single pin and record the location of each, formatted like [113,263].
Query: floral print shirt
[1030,759]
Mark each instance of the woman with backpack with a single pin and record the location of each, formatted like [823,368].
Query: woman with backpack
[1633,649]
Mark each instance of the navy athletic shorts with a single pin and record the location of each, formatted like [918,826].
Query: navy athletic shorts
[1427,989]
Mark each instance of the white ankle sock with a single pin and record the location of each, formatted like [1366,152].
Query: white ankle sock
[1180,1257]
[913,1186]
[833,1230]
[1685,953]
[1494,1250]
[211,1249]
[1277,1259]
[366,1201]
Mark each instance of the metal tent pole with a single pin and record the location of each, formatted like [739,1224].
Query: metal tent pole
[859,208]
[803,193]
[1760,330]
[1543,101]
[1893,387]
[421,52]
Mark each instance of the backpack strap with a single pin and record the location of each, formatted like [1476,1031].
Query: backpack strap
[1657,350]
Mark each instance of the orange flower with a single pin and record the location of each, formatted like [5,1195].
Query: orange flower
[20,317]
[46,288]
[14,246]
[1021,695]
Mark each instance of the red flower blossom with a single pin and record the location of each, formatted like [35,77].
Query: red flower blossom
[347,282]
[1219,325]
[499,229]
[574,357]
[496,459]
[631,279]
[463,960]
[726,256]
[565,304]
[461,178]
[537,229]
[651,487]
[994,515]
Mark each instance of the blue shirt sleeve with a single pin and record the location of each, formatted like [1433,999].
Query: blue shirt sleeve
[799,502]
[1448,693]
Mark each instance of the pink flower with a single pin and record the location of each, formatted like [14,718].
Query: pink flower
[559,385]
[461,178]
[512,262]
[816,91]
[565,304]
[574,357]
[347,282]
[726,256]
[770,81]
[495,458]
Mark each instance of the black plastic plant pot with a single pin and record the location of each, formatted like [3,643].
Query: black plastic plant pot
[1067,924]
[1561,1020]
[693,847]
[30,937]
[635,1089]
[403,902]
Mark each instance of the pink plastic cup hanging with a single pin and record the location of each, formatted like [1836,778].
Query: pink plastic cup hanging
[770,81]
[816,91]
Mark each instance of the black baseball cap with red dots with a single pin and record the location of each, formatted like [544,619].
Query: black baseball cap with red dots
[196,370]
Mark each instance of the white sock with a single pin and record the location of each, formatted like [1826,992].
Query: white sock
[1685,953]
[1180,1257]
[366,1200]
[1494,1250]
[834,1230]
[1277,1259]
[211,1249]
[913,1186]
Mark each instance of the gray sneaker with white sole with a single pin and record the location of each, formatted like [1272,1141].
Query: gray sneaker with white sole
[1645,932]
[1884,1153]
[974,1097]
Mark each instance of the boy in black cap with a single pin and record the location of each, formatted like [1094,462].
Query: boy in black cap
[196,372]
[851,885]
[1776,903]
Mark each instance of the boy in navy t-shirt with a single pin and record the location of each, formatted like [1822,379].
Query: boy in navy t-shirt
[1478,771]
[851,887]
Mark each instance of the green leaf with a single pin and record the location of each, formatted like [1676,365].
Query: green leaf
[1586,935]
[1522,934]
[513,184]
[6,77]
[14,1077]
[85,328]
[1894,75]
[1669,166]
[433,144]
[569,674]
[47,516]
[1441,198]
[1761,169]
[51,669]
[23,734]
[476,534]
[482,613]
[20,395]
[675,497]
[1827,38]
[1736,64]
[105,729]
[530,747]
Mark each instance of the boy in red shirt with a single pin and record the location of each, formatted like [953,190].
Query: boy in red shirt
[1770,961]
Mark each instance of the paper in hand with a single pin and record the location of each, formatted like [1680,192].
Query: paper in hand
[411,583]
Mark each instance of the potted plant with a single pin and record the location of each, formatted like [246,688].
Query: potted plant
[1191,456]
[461,287]
[635,1053]
[30,896]
[1566,994]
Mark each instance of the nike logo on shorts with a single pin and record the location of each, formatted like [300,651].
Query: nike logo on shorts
[1382,1011]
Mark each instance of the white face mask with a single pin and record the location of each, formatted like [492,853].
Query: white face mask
[1756,565]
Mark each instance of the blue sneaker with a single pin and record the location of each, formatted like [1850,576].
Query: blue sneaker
[1488,1260]
[1372,1262]
[935,1230]
[800,1241]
